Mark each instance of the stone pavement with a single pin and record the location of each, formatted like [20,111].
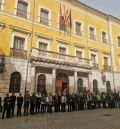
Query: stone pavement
[89,119]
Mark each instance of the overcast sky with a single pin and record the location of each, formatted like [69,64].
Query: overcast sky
[107,6]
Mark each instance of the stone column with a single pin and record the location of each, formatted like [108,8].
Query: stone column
[53,80]
[75,81]
[33,80]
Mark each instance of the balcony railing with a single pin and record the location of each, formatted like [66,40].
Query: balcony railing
[95,66]
[18,53]
[59,57]
[107,68]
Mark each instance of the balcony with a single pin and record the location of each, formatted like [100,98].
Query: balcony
[18,53]
[107,68]
[95,66]
[59,58]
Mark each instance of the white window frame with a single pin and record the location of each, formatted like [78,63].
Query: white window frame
[80,50]
[49,15]
[44,42]
[106,36]
[117,40]
[109,62]
[94,53]
[91,26]
[2,5]
[21,36]
[28,9]
[75,26]
[64,46]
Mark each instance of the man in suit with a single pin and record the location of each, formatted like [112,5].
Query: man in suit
[19,104]
[12,103]
[6,108]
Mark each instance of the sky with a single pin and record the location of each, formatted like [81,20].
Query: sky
[107,6]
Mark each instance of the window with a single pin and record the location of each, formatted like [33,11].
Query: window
[44,16]
[43,47]
[61,24]
[62,50]
[93,58]
[92,33]
[41,84]
[15,82]
[95,86]
[104,39]
[18,47]
[80,85]
[118,41]
[22,9]
[0,4]
[78,28]
[106,61]
[79,54]
[108,87]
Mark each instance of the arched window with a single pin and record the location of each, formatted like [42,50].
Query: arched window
[62,77]
[95,86]
[80,84]
[108,86]
[15,82]
[41,84]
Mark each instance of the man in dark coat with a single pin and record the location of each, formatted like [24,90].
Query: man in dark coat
[12,103]
[19,104]
[33,101]
[6,108]
[38,103]
[26,102]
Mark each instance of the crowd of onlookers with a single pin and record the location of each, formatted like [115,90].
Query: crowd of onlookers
[59,102]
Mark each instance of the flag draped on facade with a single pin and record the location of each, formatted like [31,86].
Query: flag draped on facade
[65,19]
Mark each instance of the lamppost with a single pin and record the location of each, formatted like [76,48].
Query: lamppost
[2,63]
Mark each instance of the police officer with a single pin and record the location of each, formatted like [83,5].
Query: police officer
[19,104]
[12,103]
[33,101]
[6,108]
[26,102]
[38,103]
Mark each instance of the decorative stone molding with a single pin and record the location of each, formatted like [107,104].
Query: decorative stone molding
[63,41]
[15,28]
[44,36]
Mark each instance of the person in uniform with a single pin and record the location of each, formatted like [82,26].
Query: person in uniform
[26,102]
[38,103]
[33,101]
[6,108]
[69,102]
[0,104]
[43,104]
[19,104]
[12,103]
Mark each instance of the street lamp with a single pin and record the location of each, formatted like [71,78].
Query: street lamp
[2,63]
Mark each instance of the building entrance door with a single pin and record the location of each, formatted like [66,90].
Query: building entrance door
[61,82]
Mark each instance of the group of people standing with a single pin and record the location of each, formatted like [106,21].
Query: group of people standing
[59,102]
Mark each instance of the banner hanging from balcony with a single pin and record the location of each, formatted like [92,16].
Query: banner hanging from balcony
[65,19]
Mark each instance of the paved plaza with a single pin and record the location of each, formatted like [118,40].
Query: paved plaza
[89,119]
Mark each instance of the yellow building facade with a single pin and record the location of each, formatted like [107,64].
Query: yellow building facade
[39,54]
